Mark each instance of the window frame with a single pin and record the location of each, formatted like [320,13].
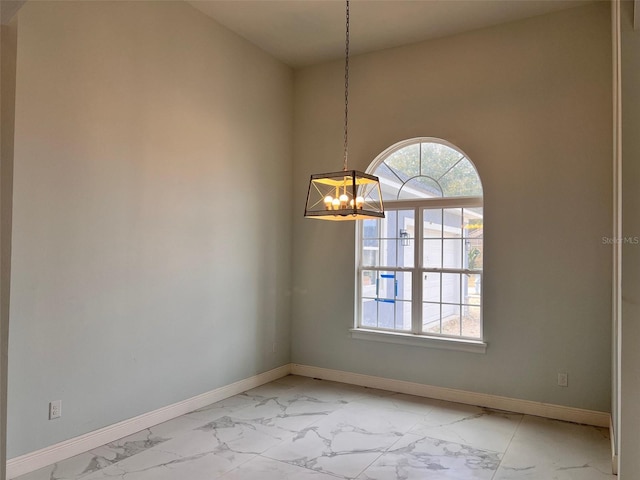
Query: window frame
[416,336]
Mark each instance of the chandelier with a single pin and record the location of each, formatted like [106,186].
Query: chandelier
[347,194]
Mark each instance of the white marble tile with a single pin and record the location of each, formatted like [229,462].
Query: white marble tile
[301,428]
[270,390]
[346,441]
[399,401]
[375,420]
[543,448]
[205,452]
[223,407]
[113,452]
[260,468]
[157,465]
[417,458]
[292,411]
[241,435]
[468,425]
[68,469]
[138,442]
[328,391]
[294,380]
[367,392]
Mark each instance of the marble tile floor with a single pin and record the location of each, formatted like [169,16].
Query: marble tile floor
[298,428]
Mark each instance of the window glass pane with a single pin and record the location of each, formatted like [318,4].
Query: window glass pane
[406,252]
[403,316]
[473,253]
[432,218]
[432,254]
[471,321]
[369,313]
[390,184]
[389,226]
[388,253]
[368,285]
[370,228]
[431,286]
[473,222]
[461,181]
[471,288]
[406,236]
[473,229]
[420,187]
[452,225]
[431,317]
[437,159]
[370,253]
[451,287]
[450,319]
[405,163]
[403,285]
[452,253]
[386,314]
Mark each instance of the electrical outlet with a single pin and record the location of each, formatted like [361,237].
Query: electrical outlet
[55,409]
[563,380]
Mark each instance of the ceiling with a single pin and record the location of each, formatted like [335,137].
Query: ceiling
[305,32]
[8,8]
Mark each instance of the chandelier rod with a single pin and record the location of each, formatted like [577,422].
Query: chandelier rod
[346,92]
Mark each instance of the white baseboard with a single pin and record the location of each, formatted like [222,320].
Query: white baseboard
[557,412]
[614,453]
[41,458]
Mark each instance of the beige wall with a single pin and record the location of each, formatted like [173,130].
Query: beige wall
[530,103]
[149,143]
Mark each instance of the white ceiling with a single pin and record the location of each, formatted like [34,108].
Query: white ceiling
[305,32]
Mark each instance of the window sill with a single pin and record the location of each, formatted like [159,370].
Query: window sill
[473,346]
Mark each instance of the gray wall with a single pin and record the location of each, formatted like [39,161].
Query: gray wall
[530,103]
[149,143]
[630,328]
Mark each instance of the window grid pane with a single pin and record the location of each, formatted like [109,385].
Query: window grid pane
[445,267]
[386,299]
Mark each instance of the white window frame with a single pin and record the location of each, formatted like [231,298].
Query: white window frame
[415,337]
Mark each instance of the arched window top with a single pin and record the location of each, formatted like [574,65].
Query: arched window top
[422,168]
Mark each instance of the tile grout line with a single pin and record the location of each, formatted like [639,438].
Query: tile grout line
[284,462]
[386,450]
[508,446]
[355,400]
[237,467]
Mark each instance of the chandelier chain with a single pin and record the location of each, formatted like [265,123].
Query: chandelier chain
[346,91]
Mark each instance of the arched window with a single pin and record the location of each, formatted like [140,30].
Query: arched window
[420,268]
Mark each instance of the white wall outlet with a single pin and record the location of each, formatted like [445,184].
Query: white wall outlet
[55,409]
[563,379]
